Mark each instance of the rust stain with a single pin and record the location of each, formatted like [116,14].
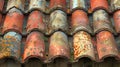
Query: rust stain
[106,45]
[99,4]
[83,46]
[13,21]
[35,21]
[34,47]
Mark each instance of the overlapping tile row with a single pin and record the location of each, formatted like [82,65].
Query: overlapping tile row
[103,29]
[12,30]
[58,28]
[35,28]
[81,31]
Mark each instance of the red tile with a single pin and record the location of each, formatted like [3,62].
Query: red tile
[58,4]
[101,21]
[11,44]
[58,21]
[115,5]
[58,46]
[99,4]
[37,4]
[35,22]
[83,47]
[116,18]
[34,47]
[1,5]
[77,4]
[106,45]
[19,4]
[80,21]
[13,21]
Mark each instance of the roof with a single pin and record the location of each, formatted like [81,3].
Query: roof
[63,32]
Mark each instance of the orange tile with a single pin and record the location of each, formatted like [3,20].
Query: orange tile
[34,47]
[80,21]
[13,21]
[99,4]
[106,45]
[35,22]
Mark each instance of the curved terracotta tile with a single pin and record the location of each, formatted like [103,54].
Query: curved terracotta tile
[116,18]
[1,4]
[34,47]
[58,21]
[37,4]
[11,45]
[106,45]
[115,5]
[101,21]
[77,4]
[83,46]
[58,46]
[58,4]
[80,21]
[13,21]
[35,21]
[19,4]
[99,4]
